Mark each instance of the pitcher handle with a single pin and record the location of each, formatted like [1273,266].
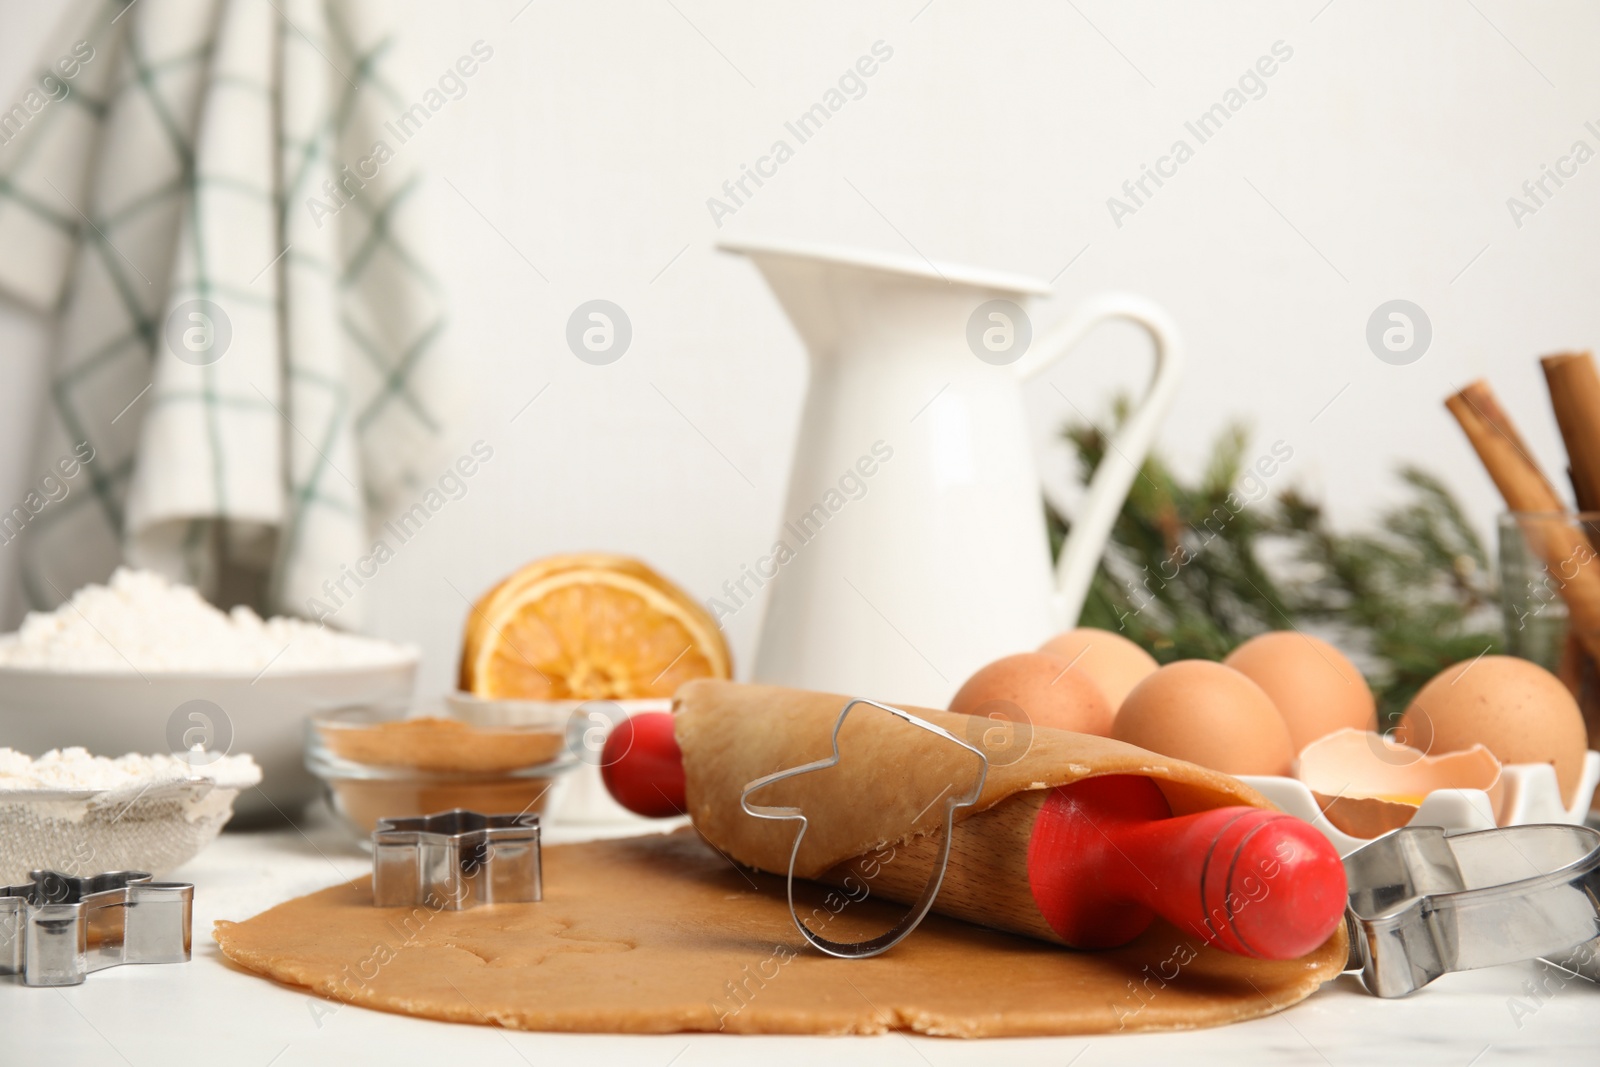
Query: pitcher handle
[1125,452]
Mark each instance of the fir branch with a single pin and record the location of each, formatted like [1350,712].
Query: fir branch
[1184,573]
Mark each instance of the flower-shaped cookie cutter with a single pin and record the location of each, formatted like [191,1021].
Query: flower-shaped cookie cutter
[919,910]
[456,859]
[1423,903]
[56,929]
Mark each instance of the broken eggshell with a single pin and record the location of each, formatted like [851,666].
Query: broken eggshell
[1367,784]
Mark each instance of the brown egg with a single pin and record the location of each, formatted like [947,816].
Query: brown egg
[1208,714]
[1516,709]
[1041,686]
[1111,661]
[1317,690]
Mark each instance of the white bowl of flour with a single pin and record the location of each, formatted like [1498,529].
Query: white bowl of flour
[143,665]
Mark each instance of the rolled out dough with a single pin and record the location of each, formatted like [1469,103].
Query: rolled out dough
[660,933]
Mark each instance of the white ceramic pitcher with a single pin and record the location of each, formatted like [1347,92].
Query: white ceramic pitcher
[913,547]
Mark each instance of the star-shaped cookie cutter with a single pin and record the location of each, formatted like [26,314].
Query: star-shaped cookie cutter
[1423,903]
[919,911]
[456,859]
[56,929]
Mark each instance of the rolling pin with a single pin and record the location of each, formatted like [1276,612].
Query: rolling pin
[1088,865]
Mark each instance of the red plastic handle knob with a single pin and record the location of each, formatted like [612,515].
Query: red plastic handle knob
[1105,858]
[642,766]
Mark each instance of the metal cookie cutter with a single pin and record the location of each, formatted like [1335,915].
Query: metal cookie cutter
[919,911]
[1423,904]
[456,859]
[56,929]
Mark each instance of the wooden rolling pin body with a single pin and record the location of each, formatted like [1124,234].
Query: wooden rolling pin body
[1090,865]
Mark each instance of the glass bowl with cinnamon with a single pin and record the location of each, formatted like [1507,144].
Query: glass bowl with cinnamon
[380,763]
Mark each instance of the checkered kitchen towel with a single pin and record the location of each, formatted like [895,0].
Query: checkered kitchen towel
[248,344]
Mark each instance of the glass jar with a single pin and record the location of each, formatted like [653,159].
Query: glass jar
[1540,553]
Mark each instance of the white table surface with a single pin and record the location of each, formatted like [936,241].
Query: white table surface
[208,1012]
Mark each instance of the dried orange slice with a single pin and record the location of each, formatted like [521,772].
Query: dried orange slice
[588,627]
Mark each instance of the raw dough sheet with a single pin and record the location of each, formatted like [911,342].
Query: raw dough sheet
[661,933]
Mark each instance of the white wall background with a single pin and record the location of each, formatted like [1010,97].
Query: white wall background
[1376,166]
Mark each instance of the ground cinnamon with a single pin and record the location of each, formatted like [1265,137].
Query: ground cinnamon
[440,745]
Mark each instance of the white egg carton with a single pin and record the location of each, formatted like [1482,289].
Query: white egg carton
[1531,796]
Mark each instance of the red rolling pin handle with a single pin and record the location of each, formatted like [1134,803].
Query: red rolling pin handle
[1252,881]
[642,766]
[1105,856]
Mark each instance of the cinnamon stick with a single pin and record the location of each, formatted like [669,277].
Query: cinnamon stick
[1575,395]
[1552,534]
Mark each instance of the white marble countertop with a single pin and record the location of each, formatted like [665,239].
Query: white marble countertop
[207,1012]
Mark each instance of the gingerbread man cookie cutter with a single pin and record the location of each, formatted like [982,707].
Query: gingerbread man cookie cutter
[912,919]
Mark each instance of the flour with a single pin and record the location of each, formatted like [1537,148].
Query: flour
[141,622]
[75,769]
